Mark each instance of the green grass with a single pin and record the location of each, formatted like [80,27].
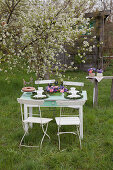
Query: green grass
[97,144]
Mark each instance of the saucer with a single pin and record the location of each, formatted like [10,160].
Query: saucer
[39,91]
[73,91]
[72,96]
[39,96]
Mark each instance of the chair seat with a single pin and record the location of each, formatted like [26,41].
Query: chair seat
[67,121]
[37,120]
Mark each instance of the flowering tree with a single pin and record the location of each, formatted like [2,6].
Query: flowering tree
[35,34]
[10,33]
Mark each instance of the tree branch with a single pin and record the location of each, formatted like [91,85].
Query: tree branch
[8,5]
[62,9]
[12,8]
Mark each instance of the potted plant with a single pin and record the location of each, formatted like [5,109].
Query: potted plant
[99,72]
[92,72]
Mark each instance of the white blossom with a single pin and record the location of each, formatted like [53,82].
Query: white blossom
[45,28]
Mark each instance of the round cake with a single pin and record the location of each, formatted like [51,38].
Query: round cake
[28,89]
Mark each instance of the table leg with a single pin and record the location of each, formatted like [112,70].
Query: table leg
[112,90]
[30,114]
[81,121]
[25,117]
[95,93]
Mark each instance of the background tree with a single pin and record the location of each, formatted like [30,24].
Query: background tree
[11,31]
[34,32]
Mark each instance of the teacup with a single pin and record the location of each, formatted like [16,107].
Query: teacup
[40,88]
[39,92]
[74,93]
[72,88]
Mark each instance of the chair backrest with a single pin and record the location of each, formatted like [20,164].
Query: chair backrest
[69,83]
[44,81]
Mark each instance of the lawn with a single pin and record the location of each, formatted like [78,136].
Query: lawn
[97,144]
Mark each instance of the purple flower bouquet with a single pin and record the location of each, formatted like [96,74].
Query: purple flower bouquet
[54,89]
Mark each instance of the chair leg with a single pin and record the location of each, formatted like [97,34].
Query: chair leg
[75,133]
[80,143]
[59,136]
[26,145]
[45,130]
[78,131]
[23,139]
[25,127]
[45,134]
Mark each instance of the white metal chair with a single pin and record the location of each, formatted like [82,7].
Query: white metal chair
[44,81]
[30,119]
[69,83]
[66,120]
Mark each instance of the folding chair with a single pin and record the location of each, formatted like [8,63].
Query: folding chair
[66,120]
[37,119]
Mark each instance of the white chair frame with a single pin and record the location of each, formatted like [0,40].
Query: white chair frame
[67,120]
[42,121]
[44,81]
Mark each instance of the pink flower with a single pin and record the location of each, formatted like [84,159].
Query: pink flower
[56,86]
[48,88]
[90,71]
[62,90]
[51,90]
